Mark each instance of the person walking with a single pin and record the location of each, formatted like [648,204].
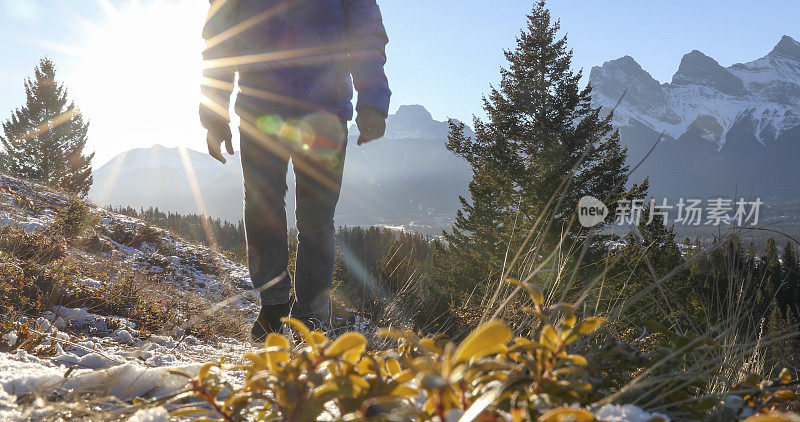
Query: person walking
[297,63]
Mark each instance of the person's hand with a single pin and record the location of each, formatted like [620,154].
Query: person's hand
[217,134]
[371,123]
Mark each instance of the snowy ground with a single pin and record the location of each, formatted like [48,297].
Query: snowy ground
[108,364]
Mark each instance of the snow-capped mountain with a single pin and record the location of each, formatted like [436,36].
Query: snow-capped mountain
[726,129]
[140,176]
[400,178]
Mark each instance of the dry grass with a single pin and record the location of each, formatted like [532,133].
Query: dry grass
[43,268]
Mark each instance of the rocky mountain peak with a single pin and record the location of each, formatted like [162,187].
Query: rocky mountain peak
[624,69]
[624,66]
[787,47]
[412,114]
[414,122]
[624,76]
[737,125]
[698,69]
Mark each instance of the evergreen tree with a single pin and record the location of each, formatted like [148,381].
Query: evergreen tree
[541,129]
[660,245]
[769,271]
[790,287]
[650,254]
[771,258]
[44,139]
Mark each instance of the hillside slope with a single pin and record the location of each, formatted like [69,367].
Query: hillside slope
[98,308]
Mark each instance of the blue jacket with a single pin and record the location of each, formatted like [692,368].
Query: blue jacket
[294,57]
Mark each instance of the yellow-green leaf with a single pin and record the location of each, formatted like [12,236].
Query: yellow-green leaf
[204,370]
[577,360]
[389,333]
[567,414]
[277,357]
[258,359]
[319,338]
[774,417]
[404,391]
[393,366]
[785,376]
[786,395]
[366,366]
[569,320]
[404,376]
[430,344]
[590,325]
[347,342]
[488,339]
[356,380]
[548,337]
[300,328]
[535,293]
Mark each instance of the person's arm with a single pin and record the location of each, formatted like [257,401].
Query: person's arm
[367,41]
[218,77]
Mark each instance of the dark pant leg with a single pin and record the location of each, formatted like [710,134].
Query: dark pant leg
[318,171]
[265,219]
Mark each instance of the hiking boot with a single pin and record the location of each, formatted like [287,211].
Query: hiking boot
[269,321]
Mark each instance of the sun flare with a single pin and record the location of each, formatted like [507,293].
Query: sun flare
[139,75]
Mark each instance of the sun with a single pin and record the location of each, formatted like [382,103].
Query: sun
[139,76]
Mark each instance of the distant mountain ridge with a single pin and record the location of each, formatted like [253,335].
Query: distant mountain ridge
[726,130]
[409,175]
[414,122]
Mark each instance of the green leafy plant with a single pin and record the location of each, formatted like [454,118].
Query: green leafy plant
[488,374]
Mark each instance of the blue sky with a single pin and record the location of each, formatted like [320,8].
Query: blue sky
[443,53]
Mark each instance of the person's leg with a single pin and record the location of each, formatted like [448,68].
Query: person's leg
[266,232]
[318,170]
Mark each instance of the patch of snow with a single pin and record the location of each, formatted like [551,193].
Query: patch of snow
[123,336]
[626,413]
[29,224]
[18,377]
[155,414]
[88,282]
[81,319]
[8,408]
[125,382]
[10,339]
[89,361]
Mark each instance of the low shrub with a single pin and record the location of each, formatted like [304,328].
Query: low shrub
[147,234]
[200,261]
[489,373]
[18,294]
[133,236]
[95,244]
[74,217]
[37,247]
